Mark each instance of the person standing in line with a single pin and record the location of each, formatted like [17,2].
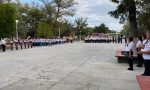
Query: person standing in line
[118,39]
[11,45]
[3,45]
[21,44]
[31,43]
[121,39]
[146,54]
[0,45]
[139,56]
[16,44]
[130,47]
[25,44]
[115,39]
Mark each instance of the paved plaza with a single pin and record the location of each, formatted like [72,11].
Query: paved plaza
[76,66]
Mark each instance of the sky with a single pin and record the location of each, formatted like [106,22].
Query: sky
[96,11]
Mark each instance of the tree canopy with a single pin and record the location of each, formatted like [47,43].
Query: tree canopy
[7,20]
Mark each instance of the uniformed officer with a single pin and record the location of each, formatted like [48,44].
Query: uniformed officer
[146,54]
[11,45]
[3,45]
[16,44]
[130,47]
[0,45]
[21,44]
[25,43]
[31,43]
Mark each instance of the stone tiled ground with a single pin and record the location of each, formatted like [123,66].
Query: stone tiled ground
[75,66]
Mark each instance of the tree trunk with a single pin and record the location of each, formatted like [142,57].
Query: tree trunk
[132,19]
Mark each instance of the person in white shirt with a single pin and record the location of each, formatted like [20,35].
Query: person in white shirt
[139,56]
[146,54]
[130,49]
[3,42]
[0,45]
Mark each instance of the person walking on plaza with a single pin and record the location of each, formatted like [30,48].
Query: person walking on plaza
[3,45]
[140,57]
[130,47]
[146,54]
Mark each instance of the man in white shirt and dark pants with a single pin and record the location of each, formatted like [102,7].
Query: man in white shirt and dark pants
[130,47]
[3,45]
[146,55]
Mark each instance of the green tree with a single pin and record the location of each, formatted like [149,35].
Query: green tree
[144,13]
[57,9]
[34,16]
[101,29]
[80,25]
[7,20]
[44,30]
[67,29]
[125,30]
[126,10]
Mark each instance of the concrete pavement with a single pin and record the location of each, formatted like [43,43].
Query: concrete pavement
[76,66]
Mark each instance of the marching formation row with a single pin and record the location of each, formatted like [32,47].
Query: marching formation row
[98,40]
[28,43]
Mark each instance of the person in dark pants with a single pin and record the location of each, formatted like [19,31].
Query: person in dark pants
[0,45]
[146,54]
[130,48]
[11,45]
[3,45]
[21,44]
[140,56]
[16,44]
[25,43]
[121,39]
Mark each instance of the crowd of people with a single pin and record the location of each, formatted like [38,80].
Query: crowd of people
[28,43]
[142,49]
[102,38]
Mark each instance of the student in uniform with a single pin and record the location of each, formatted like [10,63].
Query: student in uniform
[3,45]
[11,45]
[131,47]
[0,45]
[146,54]
[140,57]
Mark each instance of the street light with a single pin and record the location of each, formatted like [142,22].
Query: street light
[17,29]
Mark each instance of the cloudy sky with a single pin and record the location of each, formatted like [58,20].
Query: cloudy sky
[96,11]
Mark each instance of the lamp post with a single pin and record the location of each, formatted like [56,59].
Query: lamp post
[17,29]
